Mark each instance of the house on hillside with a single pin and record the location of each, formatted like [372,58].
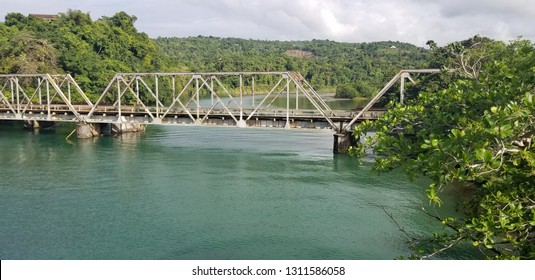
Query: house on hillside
[44,17]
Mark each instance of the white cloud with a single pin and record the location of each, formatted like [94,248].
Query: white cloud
[414,21]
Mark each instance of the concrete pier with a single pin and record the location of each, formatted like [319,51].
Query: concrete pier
[35,124]
[123,126]
[342,142]
[32,124]
[87,130]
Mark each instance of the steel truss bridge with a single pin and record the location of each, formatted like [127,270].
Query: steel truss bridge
[263,99]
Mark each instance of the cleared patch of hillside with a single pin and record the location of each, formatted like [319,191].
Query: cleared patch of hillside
[299,53]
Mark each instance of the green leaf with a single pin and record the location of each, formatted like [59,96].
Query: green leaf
[529,98]
[487,156]
[432,195]
[457,133]
[484,155]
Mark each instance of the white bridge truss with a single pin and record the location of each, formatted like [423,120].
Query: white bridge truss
[23,94]
[219,98]
[162,97]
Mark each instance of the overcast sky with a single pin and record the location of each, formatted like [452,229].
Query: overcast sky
[412,21]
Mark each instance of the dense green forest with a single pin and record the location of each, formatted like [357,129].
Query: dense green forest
[94,50]
[325,64]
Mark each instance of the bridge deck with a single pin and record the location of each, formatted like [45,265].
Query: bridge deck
[175,98]
[137,114]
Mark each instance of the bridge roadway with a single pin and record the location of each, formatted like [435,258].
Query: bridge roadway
[271,117]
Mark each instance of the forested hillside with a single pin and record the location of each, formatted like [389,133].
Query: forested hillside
[94,50]
[325,64]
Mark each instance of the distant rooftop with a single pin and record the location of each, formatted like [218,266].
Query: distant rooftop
[45,17]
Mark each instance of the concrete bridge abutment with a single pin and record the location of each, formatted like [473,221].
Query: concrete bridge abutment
[123,127]
[342,141]
[89,130]
[35,124]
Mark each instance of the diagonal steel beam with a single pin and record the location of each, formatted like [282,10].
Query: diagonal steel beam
[67,102]
[102,95]
[150,91]
[177,100]
[265,98]
[226,91]
[136,96]
[313,101]
[218,99]
[388,85]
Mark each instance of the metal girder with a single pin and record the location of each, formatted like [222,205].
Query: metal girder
[15,96]
[161,97]
[400,75]
[157,88]
[313,97]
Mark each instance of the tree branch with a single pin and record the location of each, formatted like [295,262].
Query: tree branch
[444,248]
[411,239]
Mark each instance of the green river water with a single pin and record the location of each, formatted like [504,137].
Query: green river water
[176,192]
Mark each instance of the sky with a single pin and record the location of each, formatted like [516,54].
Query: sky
[411,21]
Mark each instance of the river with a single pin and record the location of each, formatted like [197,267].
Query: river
[177,192]
[278,101]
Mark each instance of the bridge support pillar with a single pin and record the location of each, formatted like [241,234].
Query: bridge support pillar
[32,124]
[35,124]
[241,123]
[342,141]
[87,130]
[122,127]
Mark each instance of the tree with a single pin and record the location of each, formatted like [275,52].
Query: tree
[122,20]
[16,19]
[94,50]
[326,65]
[24,54]
[345,91]
[475,132]
[364,89]
[359,89]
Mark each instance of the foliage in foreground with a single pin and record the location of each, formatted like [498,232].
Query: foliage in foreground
[472,127]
